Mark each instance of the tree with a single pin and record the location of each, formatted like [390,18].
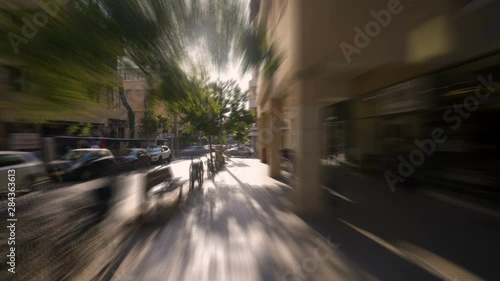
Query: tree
[71,60]
[163,123]
[130,112]
[69,57]
[257,50]
[149,125]
[240,118]
[215,109]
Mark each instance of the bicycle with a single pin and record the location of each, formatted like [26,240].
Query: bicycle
[196,172]
[210,169]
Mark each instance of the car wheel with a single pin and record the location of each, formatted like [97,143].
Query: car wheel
[169,159]
[86,175]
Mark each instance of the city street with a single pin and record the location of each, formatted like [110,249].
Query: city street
[354,134]
[240,227]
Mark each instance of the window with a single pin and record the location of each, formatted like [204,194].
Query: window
[10,160]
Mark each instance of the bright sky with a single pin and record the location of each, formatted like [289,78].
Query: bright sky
[199,54]
[233,72]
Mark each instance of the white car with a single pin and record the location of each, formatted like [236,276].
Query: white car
[25,169]
[160,154]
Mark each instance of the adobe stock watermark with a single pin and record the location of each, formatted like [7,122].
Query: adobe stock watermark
[30,26]
[426,147]
[311,264]
[276,122]
[372,29]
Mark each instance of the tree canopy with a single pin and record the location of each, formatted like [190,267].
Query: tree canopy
[216,108]
[67,50]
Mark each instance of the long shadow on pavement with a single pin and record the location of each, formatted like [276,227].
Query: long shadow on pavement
[247,232]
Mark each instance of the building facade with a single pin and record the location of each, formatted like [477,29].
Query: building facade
[365,75]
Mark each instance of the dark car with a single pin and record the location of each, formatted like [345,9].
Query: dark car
[82,164]
[134,158]
[240,151]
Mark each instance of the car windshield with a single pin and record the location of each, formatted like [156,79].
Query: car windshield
[154,149]
[77,154]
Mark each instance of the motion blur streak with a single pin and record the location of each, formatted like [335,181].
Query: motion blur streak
[354,140]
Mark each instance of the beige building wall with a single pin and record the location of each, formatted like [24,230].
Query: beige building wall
[140,101]
[421,36]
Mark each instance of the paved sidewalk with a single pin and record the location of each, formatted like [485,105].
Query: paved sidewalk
[238,227]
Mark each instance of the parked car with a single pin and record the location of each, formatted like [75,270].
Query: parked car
[160,154]
[194,151]
[134,158]
[240,151]
[82,164]
[28,168]
[218,146]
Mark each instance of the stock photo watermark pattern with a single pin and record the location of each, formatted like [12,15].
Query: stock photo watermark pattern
[311,264]
[453,116]
[30,26]
[363,37]
[275,124]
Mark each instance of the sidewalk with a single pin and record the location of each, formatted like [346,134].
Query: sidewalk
[238,227]
[466,197]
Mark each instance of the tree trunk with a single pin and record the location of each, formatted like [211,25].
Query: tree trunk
[176,137]
[130,111]
[210,150]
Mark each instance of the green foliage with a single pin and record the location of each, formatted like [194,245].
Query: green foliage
[217,109]
[149,124]
[79,130]
[86,130]
[257,50]
[163,122]
[74,51]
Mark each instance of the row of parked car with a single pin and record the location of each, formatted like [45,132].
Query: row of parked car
[86,163]
[77,164]
[230,150]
